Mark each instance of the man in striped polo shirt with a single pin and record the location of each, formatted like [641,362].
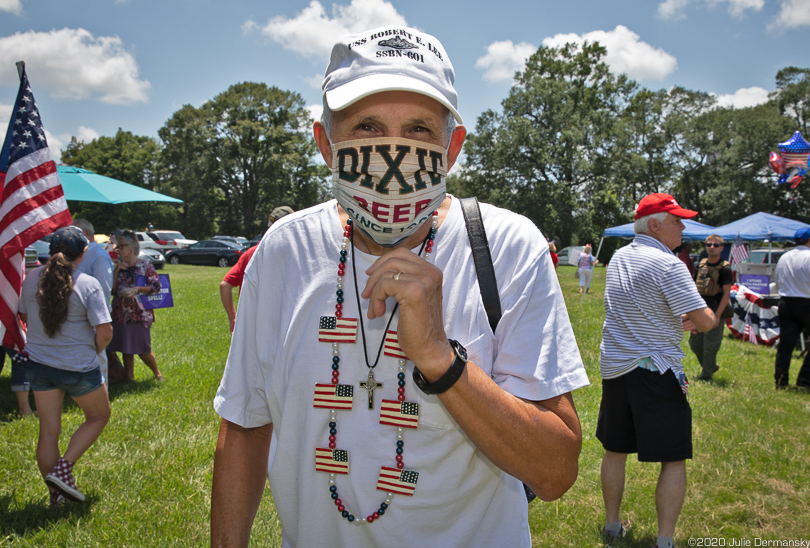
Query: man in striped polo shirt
[650,299]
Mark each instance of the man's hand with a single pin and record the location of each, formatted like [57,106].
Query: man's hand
[417,287]
[687,324]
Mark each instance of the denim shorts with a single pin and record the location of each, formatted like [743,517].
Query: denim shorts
[75,383]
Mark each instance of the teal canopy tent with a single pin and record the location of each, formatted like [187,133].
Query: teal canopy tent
[84,185]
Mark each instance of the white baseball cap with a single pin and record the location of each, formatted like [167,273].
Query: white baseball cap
[391,58]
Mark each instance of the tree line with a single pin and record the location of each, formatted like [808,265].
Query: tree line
[573,147]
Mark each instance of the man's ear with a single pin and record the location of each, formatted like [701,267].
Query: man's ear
[456,142]
[654,227]
[322,140]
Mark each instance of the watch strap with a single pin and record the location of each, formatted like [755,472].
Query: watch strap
[450,376]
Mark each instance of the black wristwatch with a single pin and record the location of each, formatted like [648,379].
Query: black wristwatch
[450,376]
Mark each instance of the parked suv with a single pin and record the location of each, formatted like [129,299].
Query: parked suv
[163,240]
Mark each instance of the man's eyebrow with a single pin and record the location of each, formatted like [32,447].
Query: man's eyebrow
[368,119]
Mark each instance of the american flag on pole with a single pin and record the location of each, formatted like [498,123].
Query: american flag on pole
[400,413]
[32,204]
[392,347]
[748,333]
[738,251]
[400,482]
[333,396]
[339,330]
[333,461]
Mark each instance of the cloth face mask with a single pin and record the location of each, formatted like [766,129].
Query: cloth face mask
[388,186]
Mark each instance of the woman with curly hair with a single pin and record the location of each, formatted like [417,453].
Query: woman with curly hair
[68,326]
[131,322]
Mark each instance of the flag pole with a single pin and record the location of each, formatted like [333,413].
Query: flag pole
[20,68]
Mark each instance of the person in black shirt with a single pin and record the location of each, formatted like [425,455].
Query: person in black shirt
[713,278]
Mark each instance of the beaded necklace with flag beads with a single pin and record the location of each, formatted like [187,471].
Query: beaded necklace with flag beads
[335,396]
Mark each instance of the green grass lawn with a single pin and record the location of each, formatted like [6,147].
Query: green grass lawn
[148,478]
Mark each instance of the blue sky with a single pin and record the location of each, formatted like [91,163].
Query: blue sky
[97,65]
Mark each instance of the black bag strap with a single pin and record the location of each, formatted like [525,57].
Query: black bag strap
[482,259]
[485,272]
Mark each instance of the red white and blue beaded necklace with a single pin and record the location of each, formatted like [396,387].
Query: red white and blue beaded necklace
[337,330]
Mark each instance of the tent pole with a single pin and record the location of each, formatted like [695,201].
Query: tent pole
[599,248]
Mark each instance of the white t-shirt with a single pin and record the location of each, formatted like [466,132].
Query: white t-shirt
[74,347]
[275,360]
[793,272]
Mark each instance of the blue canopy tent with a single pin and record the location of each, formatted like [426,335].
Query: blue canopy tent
[757,228]
[693,231]
[84,185]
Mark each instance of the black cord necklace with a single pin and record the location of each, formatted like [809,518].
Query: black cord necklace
[360,312]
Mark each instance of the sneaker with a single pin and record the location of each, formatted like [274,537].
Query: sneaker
[61,479]
[57,499]
[610,537]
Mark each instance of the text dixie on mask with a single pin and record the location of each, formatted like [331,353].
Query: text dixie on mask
[389,187]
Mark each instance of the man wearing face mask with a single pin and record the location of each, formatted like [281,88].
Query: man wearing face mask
[363,349]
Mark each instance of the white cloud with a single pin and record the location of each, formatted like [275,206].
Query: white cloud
[87,134]
[315,111]
[5,116]
[672,9]
[57,143]
[11,6]
[742,98]
[504,59]
[737,7]
[625,53]
[794,13]
[72,63]
[315,81]
[675,9]
[312,33]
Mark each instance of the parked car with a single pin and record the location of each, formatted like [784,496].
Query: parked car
[173,239]
[163,240]
[145,241]
[43,248]
[155,257]
[31,258]
[240,240]
[760,256]
[214,252]
[255,240]
[569,255]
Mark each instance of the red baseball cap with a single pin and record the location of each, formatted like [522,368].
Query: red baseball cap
[660,203]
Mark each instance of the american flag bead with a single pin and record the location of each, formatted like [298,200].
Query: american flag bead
[407,481]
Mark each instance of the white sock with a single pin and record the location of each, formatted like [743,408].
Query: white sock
[665,542]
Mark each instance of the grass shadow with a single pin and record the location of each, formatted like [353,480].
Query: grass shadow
[131,388]
[718,383]
[37,516]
